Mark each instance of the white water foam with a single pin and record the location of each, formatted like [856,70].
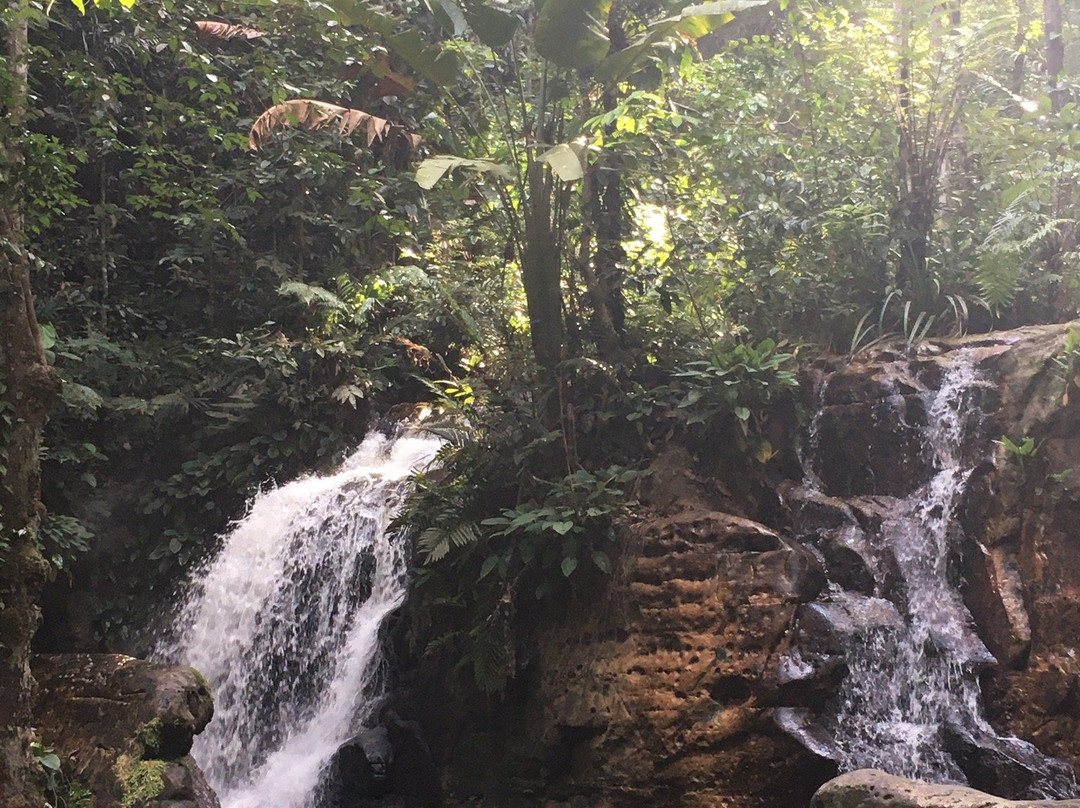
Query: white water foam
[904,685]
[284,623]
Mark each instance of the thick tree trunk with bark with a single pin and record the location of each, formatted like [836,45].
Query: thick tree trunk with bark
[27,388]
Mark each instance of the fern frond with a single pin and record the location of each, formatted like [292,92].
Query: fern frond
[312,294]
[998,278]
[464,534]
[434,542]
[489,658]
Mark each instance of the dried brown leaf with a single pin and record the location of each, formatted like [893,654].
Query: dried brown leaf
[225,30]
[309,114]
[393,140]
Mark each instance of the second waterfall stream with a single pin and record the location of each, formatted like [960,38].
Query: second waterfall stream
[902,640]
[285,621]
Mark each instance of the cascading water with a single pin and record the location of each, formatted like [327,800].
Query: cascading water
[904,684]
[284,623]
[909,702]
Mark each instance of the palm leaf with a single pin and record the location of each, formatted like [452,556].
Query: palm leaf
[226,30]
[309,114]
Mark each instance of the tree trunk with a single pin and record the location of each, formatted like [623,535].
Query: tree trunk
[1055,52]
[602,270]
[27,387]
[1019,65]
[910,215]
[541,271]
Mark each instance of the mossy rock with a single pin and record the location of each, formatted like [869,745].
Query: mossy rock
[140,780]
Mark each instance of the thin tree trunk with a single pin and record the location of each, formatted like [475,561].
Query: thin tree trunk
[1055,52]
[1019,65]
[602,268]
[541,271]
[909,219]
[27,388]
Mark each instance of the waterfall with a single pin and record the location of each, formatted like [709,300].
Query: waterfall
[905,683]
[284,623]
[909,701]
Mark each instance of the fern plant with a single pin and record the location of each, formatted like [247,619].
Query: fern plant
[1013,242]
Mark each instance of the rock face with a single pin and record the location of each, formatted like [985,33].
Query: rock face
[694,679]
[870,788]
[665,693]
[126,725]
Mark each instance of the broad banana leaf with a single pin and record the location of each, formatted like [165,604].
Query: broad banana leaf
[492,26]
[573,33]
[692,22]
[439,66]
[567,160]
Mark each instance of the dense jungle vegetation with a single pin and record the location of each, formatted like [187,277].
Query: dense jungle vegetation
[236,234]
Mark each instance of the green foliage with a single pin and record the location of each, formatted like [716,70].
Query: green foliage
[744,381]
[140,780]
[1067,363]
[220,318]
[62,791]
[491,525]
[571,523]
[1023,452]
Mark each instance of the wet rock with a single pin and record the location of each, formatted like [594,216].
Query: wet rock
[126,725]
[808,679]
[1007,767]
[804,727]
[870,788]
[867,436]
[659,691]
[414,776]
[993,593]
[831,627]
[849,559]
[359,770]
[380,767]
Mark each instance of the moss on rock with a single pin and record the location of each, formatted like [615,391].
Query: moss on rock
[140,780]
[149,735]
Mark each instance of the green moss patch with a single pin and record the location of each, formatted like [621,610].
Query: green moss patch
[140,780]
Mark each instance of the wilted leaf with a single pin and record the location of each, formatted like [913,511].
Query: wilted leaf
[434,169]
[309,114]
[388,81]
[225,30]
[567,160]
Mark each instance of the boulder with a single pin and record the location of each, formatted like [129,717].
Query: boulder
[870,788]
[382,767]
[1007,767]
[125,726]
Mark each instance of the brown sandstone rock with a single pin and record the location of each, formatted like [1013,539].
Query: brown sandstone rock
[665,696]
[870,788]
